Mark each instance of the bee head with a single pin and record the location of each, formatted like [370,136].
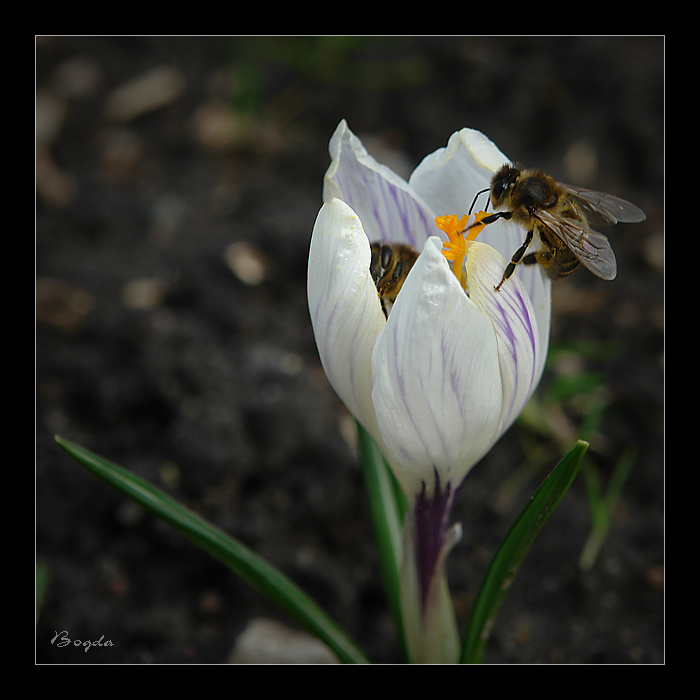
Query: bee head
[502,184]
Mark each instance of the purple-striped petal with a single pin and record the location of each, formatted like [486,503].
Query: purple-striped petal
[521,354]
[389,209]
[344,307]
[449,179]
[437,384]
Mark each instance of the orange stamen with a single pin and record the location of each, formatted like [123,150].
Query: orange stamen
[455,249]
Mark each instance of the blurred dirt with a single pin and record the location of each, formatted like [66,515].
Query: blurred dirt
[178,180]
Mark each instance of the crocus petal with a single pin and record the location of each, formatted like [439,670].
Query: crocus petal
[389,209]
[521,354]
[449,179]
[344,306]
[437,386]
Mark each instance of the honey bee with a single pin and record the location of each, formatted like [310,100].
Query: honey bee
[389,266]
[560,215]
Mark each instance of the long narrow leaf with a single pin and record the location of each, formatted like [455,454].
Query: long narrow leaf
[267,579]
[603,505]
[512,551]
[387,507]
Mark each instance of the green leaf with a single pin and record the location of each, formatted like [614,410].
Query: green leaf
[264,577]
[603,506]
[388,508]
[42,580]
[512,551]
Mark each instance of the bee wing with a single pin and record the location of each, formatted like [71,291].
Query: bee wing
[604,209]
[591,248]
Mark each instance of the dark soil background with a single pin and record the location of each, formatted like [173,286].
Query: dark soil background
[173,335]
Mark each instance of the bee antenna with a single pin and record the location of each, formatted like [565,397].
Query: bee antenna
[476,196]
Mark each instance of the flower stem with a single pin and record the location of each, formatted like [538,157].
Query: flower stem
[431,628]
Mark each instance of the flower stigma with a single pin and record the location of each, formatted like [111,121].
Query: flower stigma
[455,249]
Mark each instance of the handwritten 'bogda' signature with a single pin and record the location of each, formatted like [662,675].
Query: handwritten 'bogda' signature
[62,640]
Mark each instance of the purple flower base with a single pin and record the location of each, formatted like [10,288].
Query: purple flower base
[430,516]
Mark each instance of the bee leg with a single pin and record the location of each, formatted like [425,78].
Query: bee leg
[397,272]
[374,266]
[490,219]
[386,313]
[517,257]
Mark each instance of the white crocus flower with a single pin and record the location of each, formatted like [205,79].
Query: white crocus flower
[441,379]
